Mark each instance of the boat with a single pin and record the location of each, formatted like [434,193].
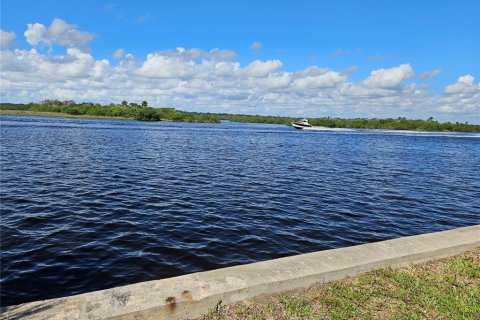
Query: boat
[301,124]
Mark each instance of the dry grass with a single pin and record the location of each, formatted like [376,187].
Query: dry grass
[441,289]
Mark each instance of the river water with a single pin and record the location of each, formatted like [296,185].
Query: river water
[92,204]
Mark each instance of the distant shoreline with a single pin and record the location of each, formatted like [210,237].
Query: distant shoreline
[133,111]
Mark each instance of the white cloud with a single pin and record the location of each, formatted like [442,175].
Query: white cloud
[467,79]
[59,33]
[464,85]
[6,38]
[225,69]
[389,78]
[164,66]
[35,34]
[197,80]
[315,78]
[278,81]
[462,97]
[119,53]
[381,84]
[430,74]
[19,64]
[259,68]
[360,91]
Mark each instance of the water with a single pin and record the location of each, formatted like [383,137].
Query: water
[93,204]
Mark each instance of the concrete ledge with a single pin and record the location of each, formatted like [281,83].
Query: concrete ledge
[193,294]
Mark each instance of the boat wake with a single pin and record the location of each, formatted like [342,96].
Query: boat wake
[313,128]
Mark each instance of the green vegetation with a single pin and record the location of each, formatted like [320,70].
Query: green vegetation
[123,110]
[441,289]
[143,112]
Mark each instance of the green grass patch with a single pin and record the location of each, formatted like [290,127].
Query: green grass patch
[441,289]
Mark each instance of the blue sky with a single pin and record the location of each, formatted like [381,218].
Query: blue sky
[439,37]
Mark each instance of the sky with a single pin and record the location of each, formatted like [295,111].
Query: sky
[301,58]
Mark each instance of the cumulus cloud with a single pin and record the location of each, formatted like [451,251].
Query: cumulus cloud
[462,97]
[164,66]
[214,81]
[17,65]
[6,38]
[262,68]
[386,84]
[389,78]
[464,85]
[317,78]
[430,74]
[58,33]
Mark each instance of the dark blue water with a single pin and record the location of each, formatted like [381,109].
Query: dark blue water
[93,204]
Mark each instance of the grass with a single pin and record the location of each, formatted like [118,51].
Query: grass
[440,289]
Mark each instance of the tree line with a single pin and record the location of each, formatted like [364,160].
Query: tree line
[144,112]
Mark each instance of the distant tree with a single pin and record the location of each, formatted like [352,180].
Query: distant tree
[51,102]
[144,103]
[124,103]
[158,114]
[69,103]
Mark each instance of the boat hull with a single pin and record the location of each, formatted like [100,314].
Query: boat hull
[300,125]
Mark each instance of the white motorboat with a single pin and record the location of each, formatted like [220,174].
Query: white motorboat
[301,124]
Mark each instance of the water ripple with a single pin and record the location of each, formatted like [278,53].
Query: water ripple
[93,204]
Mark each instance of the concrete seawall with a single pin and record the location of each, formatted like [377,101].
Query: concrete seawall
[193,294]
